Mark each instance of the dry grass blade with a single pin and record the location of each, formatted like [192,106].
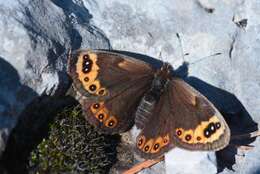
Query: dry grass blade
[143,165]
[248,135]
[148,163]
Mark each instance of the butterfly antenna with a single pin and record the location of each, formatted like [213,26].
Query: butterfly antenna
[160,56]
[181,47]
[203,58]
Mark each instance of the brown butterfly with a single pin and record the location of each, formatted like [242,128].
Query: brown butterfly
[120,91]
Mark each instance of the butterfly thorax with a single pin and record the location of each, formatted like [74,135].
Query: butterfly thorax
[160,81]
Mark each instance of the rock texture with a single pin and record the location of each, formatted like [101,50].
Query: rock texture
[36,34]
[35,37]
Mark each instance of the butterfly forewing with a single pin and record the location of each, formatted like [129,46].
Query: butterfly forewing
[100,74]
[112,85]
[198,125]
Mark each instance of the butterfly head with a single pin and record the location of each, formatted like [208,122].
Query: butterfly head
[165,71]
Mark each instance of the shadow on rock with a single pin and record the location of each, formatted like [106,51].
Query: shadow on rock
[33,125]
[237,117]
[35,113]
[235,114]
[13,94]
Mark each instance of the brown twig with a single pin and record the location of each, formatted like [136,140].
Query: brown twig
[143,165]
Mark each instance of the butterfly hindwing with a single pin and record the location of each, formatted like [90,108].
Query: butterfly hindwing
[156,135]
[116,114]
[111,86]
[198,125]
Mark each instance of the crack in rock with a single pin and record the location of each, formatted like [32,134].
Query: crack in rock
[232,45]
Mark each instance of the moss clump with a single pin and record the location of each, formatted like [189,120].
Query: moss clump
[74,146]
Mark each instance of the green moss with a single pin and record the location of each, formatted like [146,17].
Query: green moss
[73,146]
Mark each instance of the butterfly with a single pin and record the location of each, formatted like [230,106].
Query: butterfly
[120,91]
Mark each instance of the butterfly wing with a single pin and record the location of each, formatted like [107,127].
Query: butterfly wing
[198,125]
[184,118]
[111,86]
[156,127]
[100,74]
[116,114]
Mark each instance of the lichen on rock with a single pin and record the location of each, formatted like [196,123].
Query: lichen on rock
[74,146]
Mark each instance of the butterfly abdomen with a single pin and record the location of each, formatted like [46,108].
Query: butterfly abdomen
[144,110]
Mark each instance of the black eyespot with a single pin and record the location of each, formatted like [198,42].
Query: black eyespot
[140,142]
[156,146]
[101,92]
[86,57]
[101,116]
[188,137]
[111,123]
[92,87]
[86,79]
[179,132]
[87,64]
[146,148]
[207,133]
[96,106]
[217,125]
[212,128]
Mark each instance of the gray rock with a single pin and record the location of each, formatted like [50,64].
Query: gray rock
[205,27]
[35,36]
